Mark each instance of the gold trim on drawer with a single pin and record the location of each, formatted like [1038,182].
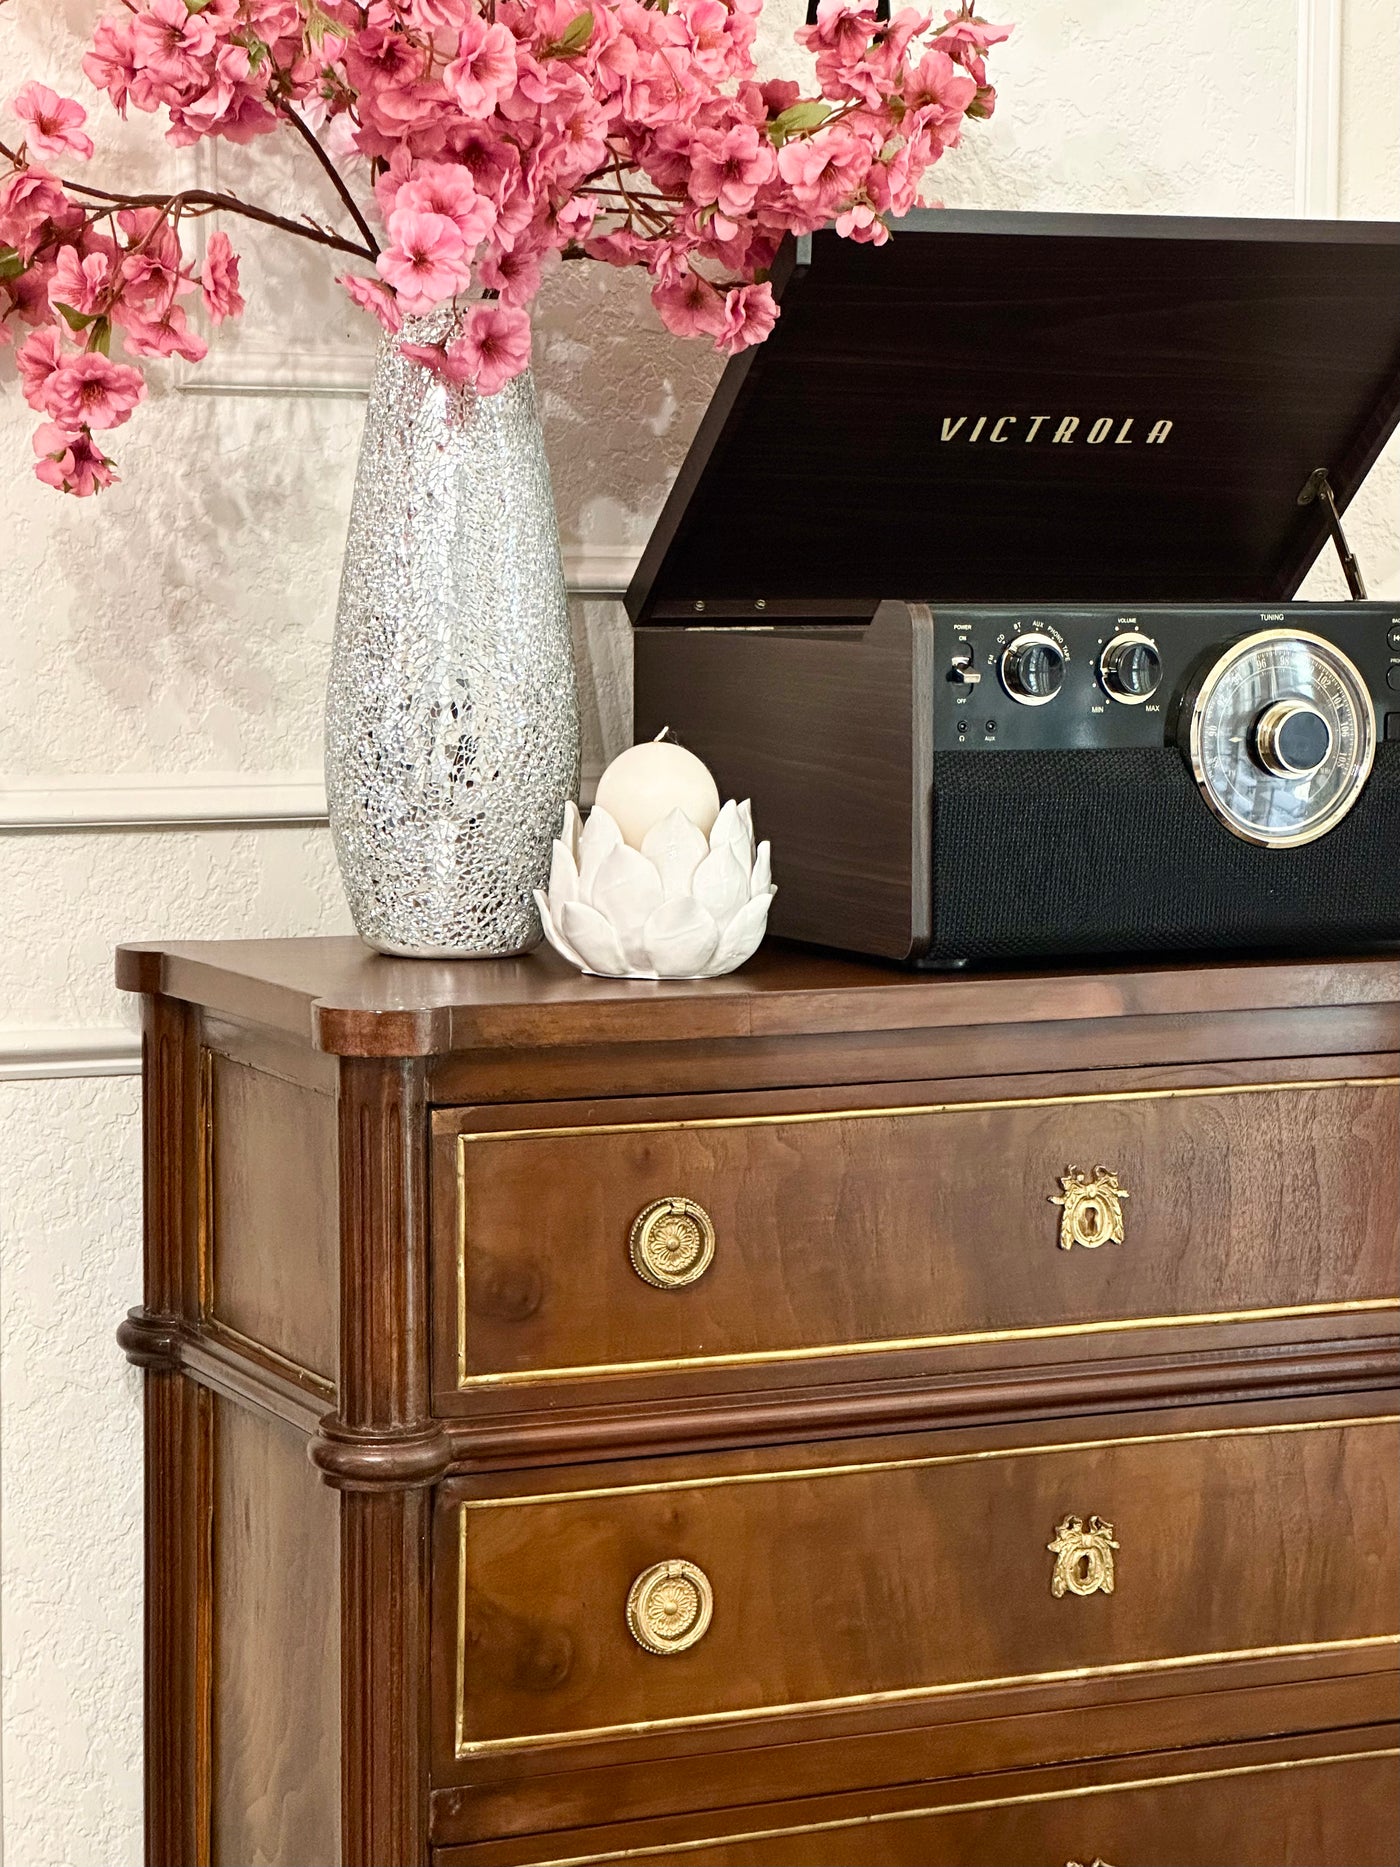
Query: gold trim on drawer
[829,1350]
[886,1816]
[788,1473]
[903,1694]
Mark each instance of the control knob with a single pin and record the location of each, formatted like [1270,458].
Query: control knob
[1032,669]
[1130,669]
[1291,739]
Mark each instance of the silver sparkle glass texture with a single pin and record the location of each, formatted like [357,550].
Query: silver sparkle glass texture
[452,734]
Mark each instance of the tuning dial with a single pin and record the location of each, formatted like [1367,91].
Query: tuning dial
[1032,669]
[1292,739]
[1130,669]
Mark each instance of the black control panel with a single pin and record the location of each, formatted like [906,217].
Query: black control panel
[1063,678]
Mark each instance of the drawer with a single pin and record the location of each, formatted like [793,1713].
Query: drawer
[665,1248]
[705,1596]
[1325,1801]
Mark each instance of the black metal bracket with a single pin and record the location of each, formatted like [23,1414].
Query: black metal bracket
[1320,487]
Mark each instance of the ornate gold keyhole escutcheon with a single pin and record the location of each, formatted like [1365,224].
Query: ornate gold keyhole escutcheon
[669,1607]
[1092,1208]
[671,1243]
[1083,1557]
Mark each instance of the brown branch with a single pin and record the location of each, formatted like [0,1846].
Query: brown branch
[337,181]
[204,201]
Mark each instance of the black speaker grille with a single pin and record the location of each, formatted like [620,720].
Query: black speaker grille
[1037,854]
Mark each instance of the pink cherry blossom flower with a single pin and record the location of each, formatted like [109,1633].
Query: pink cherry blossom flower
[447,188]
[514,275]
[690,306]
[426,260]
[219,279]
[750,312]
[167,335]
[494,346]
[90,391]
[55,123]
[171,42]
[483,74]
[84,285]
[154,267]
[110,64]
[731,167]
[452,368]
[28,199]
[73,463]
[375,297]
[435,16]
[37,359]
[862,224]
[821,170]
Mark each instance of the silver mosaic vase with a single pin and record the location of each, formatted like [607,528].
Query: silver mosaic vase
[452,735]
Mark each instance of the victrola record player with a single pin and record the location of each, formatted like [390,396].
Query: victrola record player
[977,580]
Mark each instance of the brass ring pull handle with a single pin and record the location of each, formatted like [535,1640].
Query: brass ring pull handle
[1092,1208]
[669,1607]
[671,1243]
[1083,1557]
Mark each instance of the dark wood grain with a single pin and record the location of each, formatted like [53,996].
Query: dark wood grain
[858,1580]
[1012,1734]
[178,1476]
[830,717]
[286,1681]
[384,1514]
[877,1228]
[270,1270]
[276,1697]
[337,994]
[824,470]
[1321,1801]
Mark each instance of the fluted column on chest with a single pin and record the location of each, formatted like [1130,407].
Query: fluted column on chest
[383,1452]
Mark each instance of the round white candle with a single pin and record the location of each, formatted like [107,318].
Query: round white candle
[647,782]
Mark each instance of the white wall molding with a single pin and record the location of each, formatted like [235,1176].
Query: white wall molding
[1317,184]
[42,1053]
[160,801]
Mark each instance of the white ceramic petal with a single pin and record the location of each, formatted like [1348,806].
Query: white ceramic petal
[625,891]
[597,839]
[746,816]
[563,874]
[721,884]
[680,937]
[675,847]
[591,936]
[552,933]
[740,938]
[731,831]
[572,830]
[761,880]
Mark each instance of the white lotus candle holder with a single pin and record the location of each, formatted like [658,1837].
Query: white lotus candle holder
[684,906]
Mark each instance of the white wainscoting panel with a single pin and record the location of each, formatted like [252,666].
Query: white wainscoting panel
[1319,110]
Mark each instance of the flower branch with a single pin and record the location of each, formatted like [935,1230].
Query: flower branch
[501,136]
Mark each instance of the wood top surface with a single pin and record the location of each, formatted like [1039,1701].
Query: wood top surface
[339,996]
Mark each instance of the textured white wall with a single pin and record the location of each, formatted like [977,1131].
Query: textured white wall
[176,630]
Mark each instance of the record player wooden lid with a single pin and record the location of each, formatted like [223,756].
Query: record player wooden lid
[897,434]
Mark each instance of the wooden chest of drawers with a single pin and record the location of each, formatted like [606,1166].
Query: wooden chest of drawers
[820,1416]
